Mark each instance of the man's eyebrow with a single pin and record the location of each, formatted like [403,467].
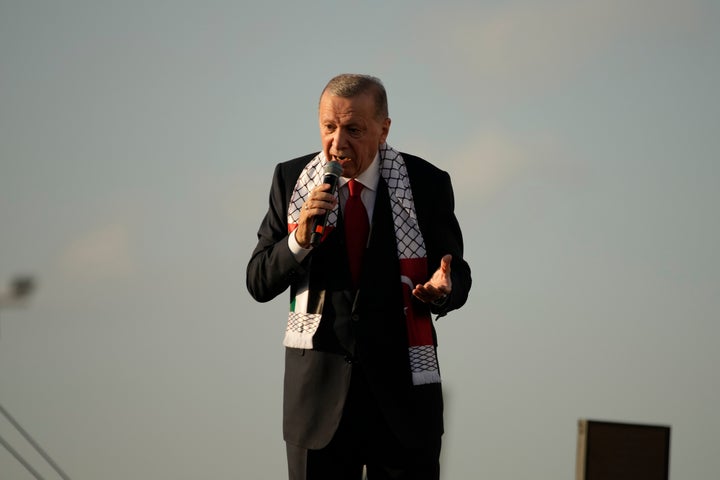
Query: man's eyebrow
[353,123]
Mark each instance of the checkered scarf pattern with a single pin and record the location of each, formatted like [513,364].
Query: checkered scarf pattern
[303,322]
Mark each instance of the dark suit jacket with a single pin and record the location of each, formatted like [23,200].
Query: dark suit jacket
[367,331]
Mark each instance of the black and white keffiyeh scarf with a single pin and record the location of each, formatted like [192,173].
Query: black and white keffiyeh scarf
[302,324]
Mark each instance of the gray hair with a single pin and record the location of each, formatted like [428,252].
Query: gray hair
[350,85]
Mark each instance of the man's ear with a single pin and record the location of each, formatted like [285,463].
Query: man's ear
[385,130]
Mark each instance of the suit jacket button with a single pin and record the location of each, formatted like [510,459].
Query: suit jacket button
[355,317]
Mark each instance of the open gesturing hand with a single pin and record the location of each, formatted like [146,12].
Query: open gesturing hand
[439,286]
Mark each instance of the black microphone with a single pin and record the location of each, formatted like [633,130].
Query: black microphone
[333,170]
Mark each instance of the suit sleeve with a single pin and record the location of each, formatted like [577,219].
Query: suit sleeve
[272,266]
[444,236]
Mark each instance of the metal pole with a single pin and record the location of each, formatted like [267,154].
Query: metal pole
[32,442]
[22,287]
[20,459]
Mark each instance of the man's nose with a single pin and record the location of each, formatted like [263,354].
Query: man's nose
[339,139]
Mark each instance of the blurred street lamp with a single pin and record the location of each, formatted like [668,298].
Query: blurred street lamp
[20,290]
[18,293]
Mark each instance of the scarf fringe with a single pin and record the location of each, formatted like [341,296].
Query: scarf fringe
[298,340]
[300,329]
[424,378]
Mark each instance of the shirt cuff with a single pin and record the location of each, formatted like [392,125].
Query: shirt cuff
[298,251]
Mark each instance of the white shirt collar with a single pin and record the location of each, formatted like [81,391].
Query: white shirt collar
[370,177]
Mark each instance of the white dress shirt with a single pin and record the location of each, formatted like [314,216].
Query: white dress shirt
[369,179]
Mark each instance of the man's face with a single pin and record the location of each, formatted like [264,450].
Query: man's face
[350,131]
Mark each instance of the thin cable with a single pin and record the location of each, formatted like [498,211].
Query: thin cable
[20,459]
[35,445]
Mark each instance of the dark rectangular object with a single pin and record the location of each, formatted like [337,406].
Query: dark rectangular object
[622,451]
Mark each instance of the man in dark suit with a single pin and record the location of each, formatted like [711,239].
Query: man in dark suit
[362,385]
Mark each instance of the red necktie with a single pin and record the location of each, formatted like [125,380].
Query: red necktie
[357,227]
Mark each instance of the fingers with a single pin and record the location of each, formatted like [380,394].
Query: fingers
[420,292]
[319,201]
[439,284]
[428,293]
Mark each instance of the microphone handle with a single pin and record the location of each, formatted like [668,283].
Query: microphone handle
[318,229]
[321,220]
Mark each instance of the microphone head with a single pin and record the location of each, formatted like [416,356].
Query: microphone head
[333,168]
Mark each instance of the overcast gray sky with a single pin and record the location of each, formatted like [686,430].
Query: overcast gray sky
[137,144]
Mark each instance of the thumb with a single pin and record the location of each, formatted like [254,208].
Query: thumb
[445,263]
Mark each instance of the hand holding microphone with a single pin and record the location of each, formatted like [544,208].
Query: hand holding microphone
[322,199]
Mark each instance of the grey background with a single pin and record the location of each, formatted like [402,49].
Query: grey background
[137,142]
